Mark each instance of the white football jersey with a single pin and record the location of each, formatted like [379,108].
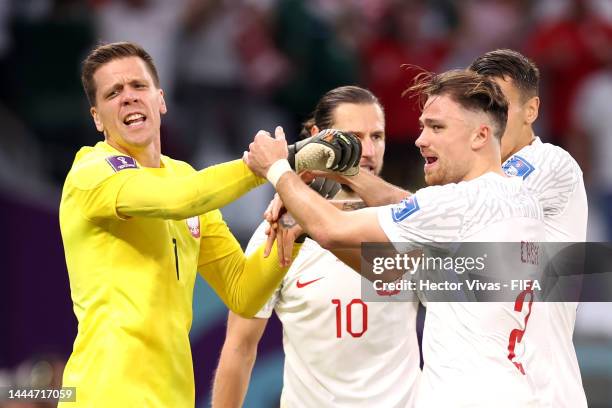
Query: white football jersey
[341,351]
[466,344]
[555,178]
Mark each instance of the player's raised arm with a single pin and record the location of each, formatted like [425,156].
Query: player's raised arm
[321,220]
[147,195]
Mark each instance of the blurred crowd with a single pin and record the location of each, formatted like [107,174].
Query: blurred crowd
[232,67]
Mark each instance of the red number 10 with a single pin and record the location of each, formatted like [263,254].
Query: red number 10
[349,317]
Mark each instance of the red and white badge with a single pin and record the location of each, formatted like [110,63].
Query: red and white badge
[193,224]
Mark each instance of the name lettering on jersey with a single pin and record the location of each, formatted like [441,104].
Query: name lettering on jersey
[405,208]
[119,163]
[517,166]
[530,253]
[193,224]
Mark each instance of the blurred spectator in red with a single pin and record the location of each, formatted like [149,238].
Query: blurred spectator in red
[265,67]
[401,38]
[567,50]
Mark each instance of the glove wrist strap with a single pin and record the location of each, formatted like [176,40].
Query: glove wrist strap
[276,170]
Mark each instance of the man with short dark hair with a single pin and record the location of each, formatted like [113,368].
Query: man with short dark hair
[136,226]
[555,178]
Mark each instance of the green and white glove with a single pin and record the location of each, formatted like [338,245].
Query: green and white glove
[328,150]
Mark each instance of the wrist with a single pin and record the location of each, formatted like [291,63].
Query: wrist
[276,170]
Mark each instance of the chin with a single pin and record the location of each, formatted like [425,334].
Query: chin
[431,180]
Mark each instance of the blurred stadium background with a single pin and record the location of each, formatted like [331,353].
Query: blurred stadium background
[231,67]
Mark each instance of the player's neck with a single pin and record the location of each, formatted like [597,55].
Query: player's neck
[485,164]
[526,138]
[147,156]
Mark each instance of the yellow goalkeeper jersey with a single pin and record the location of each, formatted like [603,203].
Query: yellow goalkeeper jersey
[134,238]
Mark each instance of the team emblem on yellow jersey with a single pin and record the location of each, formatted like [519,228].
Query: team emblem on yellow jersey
[193,224]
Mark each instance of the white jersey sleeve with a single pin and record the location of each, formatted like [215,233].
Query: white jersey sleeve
[432,214]
[456,212]
[556,179]
[258,238]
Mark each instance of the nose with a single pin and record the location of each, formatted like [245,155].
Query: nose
[421,141]
[129,96]
[367,147]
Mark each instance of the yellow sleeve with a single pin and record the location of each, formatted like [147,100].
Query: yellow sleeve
[183,197]
[152,193]
[243,283]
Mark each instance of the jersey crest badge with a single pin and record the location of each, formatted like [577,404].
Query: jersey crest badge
[119,163]
[405,208]
[193,224]
[518,167]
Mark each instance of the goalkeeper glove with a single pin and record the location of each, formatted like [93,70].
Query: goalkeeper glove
[326,188]
[328,150]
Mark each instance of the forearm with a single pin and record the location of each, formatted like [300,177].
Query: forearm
[374,191]
[148,195]
[246,283]
[232,377]
[317,216]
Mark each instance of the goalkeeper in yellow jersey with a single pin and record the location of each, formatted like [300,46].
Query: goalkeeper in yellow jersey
[137,225]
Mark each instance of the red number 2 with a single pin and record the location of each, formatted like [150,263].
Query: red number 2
[349,317]
[516,335]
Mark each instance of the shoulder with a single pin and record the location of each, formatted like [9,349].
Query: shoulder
[555,176]
[430,201]
[541,159]
[92,166]
[177,165]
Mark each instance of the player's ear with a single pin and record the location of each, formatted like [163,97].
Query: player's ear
[96,119]
[162,103]
[532,107]
[314,130]
[481,136]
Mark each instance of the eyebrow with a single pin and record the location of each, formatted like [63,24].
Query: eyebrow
[430,121]
[119,86]
[379,132]
[115,87]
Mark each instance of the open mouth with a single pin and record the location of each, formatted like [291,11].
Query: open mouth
[367,168]
[134,119]
[430,161]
